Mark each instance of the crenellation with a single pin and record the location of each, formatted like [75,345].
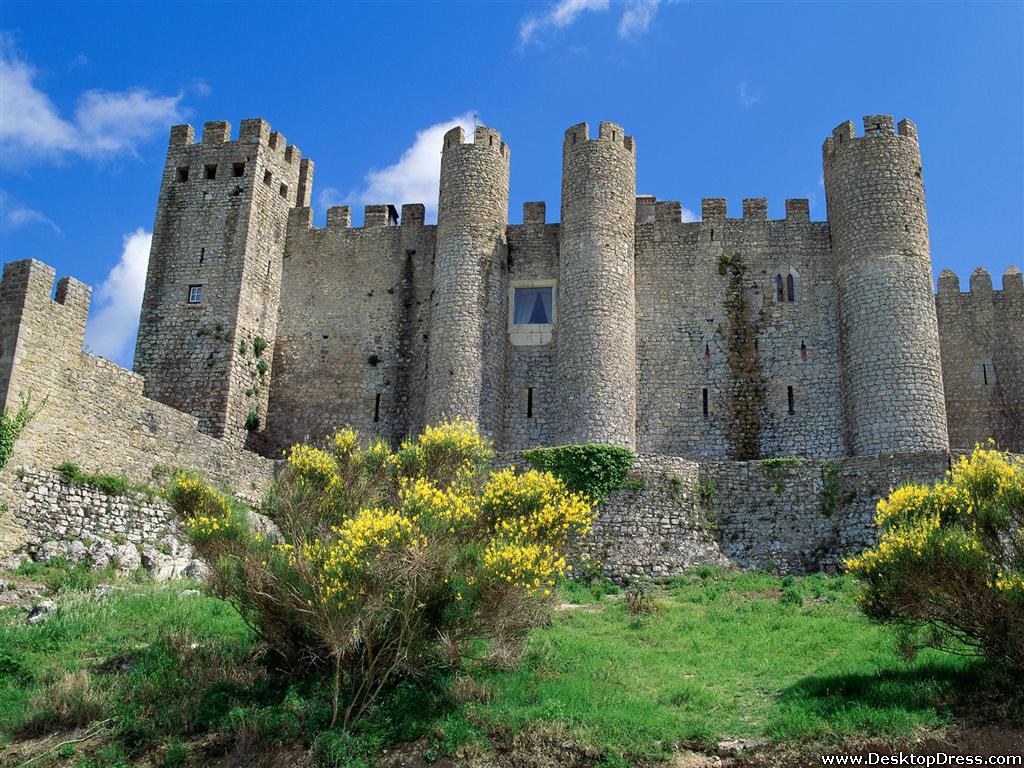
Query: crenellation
[339,217]
[696,344]
[617,323]
[216,132]
[755,209]
[713,209]
[798,210]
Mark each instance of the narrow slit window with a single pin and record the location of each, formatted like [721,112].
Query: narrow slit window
[238,169]
[803,351]
[195,294]
[376,408]
[790,289]
[779,295]
[529,402]
[704,398]
[182,173]
[712,234]
[268,177]
[707,353]
[789,397]
[984,374]
[202,255]
[210,172]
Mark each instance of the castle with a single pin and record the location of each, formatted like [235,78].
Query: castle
[726,338]
[702,344]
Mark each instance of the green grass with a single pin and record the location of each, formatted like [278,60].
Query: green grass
[723,655]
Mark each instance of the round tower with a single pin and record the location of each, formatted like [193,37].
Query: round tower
[596,329]
[888,334]
[466,336]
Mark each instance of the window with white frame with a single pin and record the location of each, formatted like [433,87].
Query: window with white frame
[532,311]
[195,294]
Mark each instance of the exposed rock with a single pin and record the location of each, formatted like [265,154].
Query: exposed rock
[41,612]
[127,559]
[732,746]
[13,562]
[164,566]
[102,590]
[102,553]
[74,551]
[264,526]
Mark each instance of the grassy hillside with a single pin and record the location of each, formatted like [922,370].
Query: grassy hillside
[149,675]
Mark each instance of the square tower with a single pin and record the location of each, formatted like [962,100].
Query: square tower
[209,313]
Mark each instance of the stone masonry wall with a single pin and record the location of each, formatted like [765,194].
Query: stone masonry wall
[684,274]
[91,411]
[981,333]
[360,358]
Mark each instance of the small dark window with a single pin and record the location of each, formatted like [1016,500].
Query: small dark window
[704,397]
[238,169]
[984,374]
[790,289]
[267,178]
[707,353]
[376,408]
[803,351]
[712,234]
[613,135]
[574,138]
[789,397]
[529,403]
[202,255]
[195,294]
[284,190]
[268,268]
[182,173]
[780,296]
[210,172]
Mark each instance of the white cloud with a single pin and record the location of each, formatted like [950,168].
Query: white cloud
[201,87]
[104,122]
[637,17]
[14,215]
[689,216]
[748,99]
[561,14]
[414,178]
[115,320]
[330,197]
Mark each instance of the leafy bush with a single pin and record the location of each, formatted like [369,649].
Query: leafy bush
[392,562]
[948,570]
[12,425]
[115,485]
[252,420]
[595,470]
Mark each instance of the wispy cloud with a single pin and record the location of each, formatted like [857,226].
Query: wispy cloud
[330,197]
[115,321]
[746,97]
[689,216]
[104,122]
[414,178]
[637,17]
[557,16]
[14,215]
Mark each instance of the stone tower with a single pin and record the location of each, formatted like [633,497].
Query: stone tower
[209,313]
[468,310]
[888,335]
[596,358]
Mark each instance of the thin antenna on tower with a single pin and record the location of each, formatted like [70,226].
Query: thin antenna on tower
[474,127]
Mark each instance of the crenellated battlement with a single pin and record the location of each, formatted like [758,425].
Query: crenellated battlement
[612,133]
[217,133]
[716,209]
[874,126]
[980,285]
[484,138]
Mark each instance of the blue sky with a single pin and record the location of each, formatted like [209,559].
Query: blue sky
[725,100]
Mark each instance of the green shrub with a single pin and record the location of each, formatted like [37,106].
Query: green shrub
[392,564]
[252,420]
[948,571]
[259,345]
[12,425]
[115,485]
[593,469]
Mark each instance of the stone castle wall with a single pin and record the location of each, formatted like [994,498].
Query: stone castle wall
[981,332]
[92,412]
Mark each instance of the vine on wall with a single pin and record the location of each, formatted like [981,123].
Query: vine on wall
[746,386]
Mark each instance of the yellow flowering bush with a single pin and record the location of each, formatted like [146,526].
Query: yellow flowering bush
[391,561]
[948,569]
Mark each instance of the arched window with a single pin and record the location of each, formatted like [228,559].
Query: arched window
[779,295]
[790,288]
